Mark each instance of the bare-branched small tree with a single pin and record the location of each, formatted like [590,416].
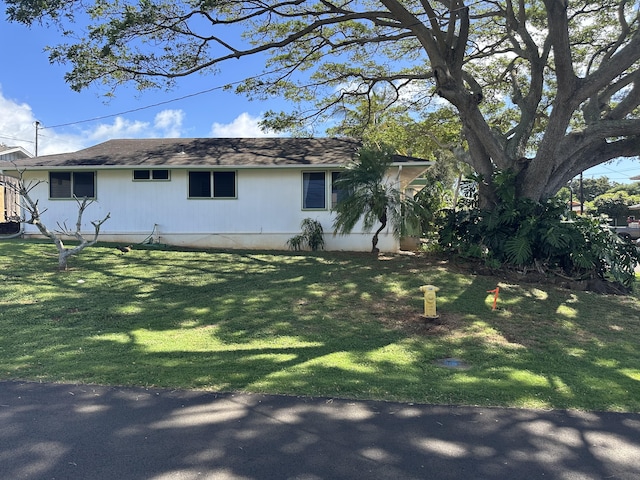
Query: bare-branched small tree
[30,207]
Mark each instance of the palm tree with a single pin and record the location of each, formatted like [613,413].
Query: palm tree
[367,194]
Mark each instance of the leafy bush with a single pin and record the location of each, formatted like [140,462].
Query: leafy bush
[312,236]
[531,235]
[432,199]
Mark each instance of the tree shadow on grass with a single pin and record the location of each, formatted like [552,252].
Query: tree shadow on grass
[314,324]
[551,341]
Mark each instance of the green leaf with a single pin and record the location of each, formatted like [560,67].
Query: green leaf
[518,250]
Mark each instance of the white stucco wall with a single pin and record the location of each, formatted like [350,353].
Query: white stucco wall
[266,213]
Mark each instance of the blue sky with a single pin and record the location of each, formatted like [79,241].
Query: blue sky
[31,89]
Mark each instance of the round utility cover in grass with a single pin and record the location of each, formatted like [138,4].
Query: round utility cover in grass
[452,363]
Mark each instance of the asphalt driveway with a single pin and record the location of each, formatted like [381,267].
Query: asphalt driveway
[54,431]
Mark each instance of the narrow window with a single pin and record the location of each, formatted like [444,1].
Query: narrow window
[337,194]
[151,174]
[141,174]
[160,174]
[313,190]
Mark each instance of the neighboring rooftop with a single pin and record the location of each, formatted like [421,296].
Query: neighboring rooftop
[10,154]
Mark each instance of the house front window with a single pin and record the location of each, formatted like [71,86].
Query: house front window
[72,184]
[205,184]
[314,190]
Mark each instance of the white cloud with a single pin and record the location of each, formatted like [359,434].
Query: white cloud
[169,122]
[166,124]
[120,128]
[243,126]
[17,128]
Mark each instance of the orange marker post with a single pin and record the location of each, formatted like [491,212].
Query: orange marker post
[496,292]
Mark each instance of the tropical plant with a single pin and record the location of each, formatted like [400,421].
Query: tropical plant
[369,195]
[434,198]
[312,236]
[539,236]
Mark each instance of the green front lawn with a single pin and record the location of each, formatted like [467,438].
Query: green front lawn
[322,324]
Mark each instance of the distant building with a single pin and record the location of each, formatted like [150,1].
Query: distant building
[9,203]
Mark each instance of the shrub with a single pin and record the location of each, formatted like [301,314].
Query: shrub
[532,235]
[312,236]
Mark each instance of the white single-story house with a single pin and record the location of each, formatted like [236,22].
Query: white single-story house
[203,192]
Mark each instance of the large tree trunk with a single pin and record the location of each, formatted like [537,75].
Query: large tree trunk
[562,152]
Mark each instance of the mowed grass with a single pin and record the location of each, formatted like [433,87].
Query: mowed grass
[320,324]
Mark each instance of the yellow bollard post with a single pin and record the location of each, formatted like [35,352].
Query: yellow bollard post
[429,300]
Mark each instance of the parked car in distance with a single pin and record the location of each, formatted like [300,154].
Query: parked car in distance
[628,232]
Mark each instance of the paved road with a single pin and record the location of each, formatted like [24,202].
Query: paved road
[88,432]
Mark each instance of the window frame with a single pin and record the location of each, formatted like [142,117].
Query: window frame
[305,190]
[151,173]
[212,184]
[74,184]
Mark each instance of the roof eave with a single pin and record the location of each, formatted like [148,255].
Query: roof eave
[167,167]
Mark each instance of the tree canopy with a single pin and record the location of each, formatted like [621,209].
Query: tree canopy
[543,89]
[590,188]
[615,205]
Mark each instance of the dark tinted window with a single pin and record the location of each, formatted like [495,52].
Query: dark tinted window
[83,185]
[60,184]
[141,174]
[160,174]
[224,184]
[70,184]
[313,190]
[200,184]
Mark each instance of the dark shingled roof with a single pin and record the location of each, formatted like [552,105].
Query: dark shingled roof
[226,152]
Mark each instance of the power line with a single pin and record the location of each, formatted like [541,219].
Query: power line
[202,92]
[137,109]
[15,138]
